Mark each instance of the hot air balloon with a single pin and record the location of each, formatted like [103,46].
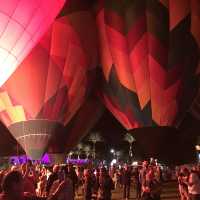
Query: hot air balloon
[64,140]
[22,23]
[149,56]
[83,121]
[49,87]
[8,145]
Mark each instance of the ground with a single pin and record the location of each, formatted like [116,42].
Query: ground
[169,192]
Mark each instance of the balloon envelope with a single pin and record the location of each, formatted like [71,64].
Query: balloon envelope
[84,120]
[22,23]
[49,87]
[149,55]
[8,145]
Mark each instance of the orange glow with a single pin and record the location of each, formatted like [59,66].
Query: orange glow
[22,23]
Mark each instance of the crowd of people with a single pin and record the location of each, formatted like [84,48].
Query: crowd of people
[65,182]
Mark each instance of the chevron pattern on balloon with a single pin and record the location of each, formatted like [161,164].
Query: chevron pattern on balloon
[152,45]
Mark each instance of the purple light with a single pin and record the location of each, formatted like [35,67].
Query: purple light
[23,159]
[45,159]
[78,161]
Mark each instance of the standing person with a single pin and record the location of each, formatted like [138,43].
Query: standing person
[126,181]
[151,189]
[106,185]
[41,185]
[142,173]
[158,173]
[30,179]
[52,177]
[115,178]
[120,177]
[194,184]
[137,183]
[79,173]
[96,181]
[66,191]
[73,176]
[182,181]
[1,179]
[13,188]
[88,184]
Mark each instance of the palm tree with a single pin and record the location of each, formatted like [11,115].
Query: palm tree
[87,150]
[79,149]
[118,154]
[70,154]
[130,139]
[94,138]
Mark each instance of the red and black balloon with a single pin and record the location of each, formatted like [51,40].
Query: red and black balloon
[149,55]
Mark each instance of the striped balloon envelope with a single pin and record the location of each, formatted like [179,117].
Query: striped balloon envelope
[51,84]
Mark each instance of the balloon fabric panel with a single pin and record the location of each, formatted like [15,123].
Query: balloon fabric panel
[22,24]
[53,83]
[153,41]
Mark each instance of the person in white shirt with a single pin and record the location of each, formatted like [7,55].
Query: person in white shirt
[194,185]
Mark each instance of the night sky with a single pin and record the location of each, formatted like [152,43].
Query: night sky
[169,145]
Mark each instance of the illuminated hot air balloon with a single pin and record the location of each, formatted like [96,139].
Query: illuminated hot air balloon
[66,138]
[84,120]
[8,145]
[149,55]
[52,82]
[22,23]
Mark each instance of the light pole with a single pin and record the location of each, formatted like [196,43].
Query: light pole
[112,151]
[94,138]
[114,161]
[130,139]
[94,150]
[130,150]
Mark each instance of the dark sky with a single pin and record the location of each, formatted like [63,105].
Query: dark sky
[168,144]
